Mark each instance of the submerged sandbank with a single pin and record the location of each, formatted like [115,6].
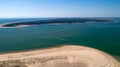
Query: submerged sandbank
[64,56]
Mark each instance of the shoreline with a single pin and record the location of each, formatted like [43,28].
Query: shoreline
[29,50]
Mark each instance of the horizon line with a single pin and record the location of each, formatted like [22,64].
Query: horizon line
[60,17]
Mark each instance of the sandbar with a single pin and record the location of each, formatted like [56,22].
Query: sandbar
[63,56]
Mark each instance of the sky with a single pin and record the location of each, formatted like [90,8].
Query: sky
[59,8]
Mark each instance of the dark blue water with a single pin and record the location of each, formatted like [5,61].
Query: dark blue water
[103,36]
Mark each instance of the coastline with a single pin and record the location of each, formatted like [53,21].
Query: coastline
[29,50]
[67,52]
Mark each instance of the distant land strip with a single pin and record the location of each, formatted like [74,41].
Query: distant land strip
[55,21]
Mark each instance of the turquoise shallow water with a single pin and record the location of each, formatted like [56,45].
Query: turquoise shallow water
[103,36]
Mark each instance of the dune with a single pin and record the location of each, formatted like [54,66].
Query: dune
[64,56]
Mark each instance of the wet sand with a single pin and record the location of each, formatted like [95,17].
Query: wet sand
[64,56]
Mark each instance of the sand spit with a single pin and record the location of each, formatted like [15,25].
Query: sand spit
[64,56]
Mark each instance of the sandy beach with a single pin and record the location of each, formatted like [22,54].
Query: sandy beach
[64,56]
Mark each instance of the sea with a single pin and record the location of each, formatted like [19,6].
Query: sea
[104,36]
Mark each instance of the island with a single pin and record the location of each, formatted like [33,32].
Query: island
[55,21]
